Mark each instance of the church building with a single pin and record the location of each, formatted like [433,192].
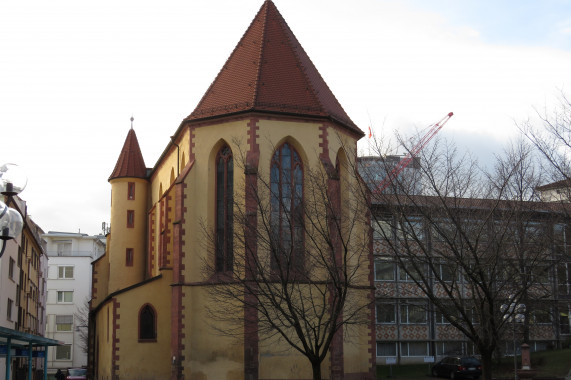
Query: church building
[184,227]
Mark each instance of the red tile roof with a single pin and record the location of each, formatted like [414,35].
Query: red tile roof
[269,71]
[130,162]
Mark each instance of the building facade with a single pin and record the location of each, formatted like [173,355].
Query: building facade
[268,118]
[23,269]
[514,249]
[68,295]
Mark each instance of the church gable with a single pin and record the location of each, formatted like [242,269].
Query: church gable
[269,71]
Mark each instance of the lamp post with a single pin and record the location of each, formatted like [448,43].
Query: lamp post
[12,182]
[514,313]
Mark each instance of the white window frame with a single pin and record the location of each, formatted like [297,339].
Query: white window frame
[449,347]
[388,263]
[58,348]
[63,247]
[62,298]
[386,305]
[62,269]
[9,307]
[405,313]
[394,344]
[64,320]
[405,349]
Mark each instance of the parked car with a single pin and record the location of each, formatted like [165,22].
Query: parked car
[458,366]
[76,374]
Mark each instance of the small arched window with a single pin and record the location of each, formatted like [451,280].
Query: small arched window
[147,324]
[224,210]
[286,184]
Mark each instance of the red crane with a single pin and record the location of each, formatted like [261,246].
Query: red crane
[412,153]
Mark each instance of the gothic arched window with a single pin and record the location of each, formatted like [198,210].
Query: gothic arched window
[147,323]
[224,210]
[286,181]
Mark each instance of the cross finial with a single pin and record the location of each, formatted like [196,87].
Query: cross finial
[132,118]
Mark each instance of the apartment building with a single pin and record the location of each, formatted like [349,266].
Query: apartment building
[23,269]
[516,249]
[69,291]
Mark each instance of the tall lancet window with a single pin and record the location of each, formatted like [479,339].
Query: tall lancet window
[286,181]
[224,210]
[147,324]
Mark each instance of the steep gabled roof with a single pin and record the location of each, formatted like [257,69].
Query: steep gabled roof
[130,162]
[269,71]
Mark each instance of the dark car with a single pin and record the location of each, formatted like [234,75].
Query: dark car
[458,366]
[76,374]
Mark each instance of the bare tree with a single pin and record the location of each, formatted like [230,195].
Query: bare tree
[467,239]
[300,262]
[81,324]
[551,135]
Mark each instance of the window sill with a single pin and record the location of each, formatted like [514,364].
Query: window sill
[148,340]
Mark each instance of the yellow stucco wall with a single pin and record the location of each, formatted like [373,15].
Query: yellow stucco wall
[100,280]
[207,353]
[161,190]
[103,341]
[136,360]
[149,360]
[123,237]
[213,356]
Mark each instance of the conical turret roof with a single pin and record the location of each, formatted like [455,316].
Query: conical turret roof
[130,162]
[269,71]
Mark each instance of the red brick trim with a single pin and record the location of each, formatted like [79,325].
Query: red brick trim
[168,232]
[94,281]
[251,339]
[324,155]
[253,155]
[130,218]
[151,236]
[272,116]
[178,334]
[324,144]
[115,341]
[192,144]
[131,191]
[336,356]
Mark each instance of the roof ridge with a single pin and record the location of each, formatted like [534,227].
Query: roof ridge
[295,44]
[225,66]
[261,51]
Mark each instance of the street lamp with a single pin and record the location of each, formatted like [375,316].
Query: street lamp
[513,312]
[12,182]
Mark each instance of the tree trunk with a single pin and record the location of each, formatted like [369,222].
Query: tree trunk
[316,367]
[486,358]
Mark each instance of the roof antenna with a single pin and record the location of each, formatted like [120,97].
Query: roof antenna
[132,118]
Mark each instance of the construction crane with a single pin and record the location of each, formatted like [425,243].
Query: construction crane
[412,153]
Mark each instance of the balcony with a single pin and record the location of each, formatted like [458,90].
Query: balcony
[71,254]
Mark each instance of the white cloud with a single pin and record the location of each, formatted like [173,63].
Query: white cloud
[71,76]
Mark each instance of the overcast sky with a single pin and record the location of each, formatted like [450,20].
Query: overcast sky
[73,72]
